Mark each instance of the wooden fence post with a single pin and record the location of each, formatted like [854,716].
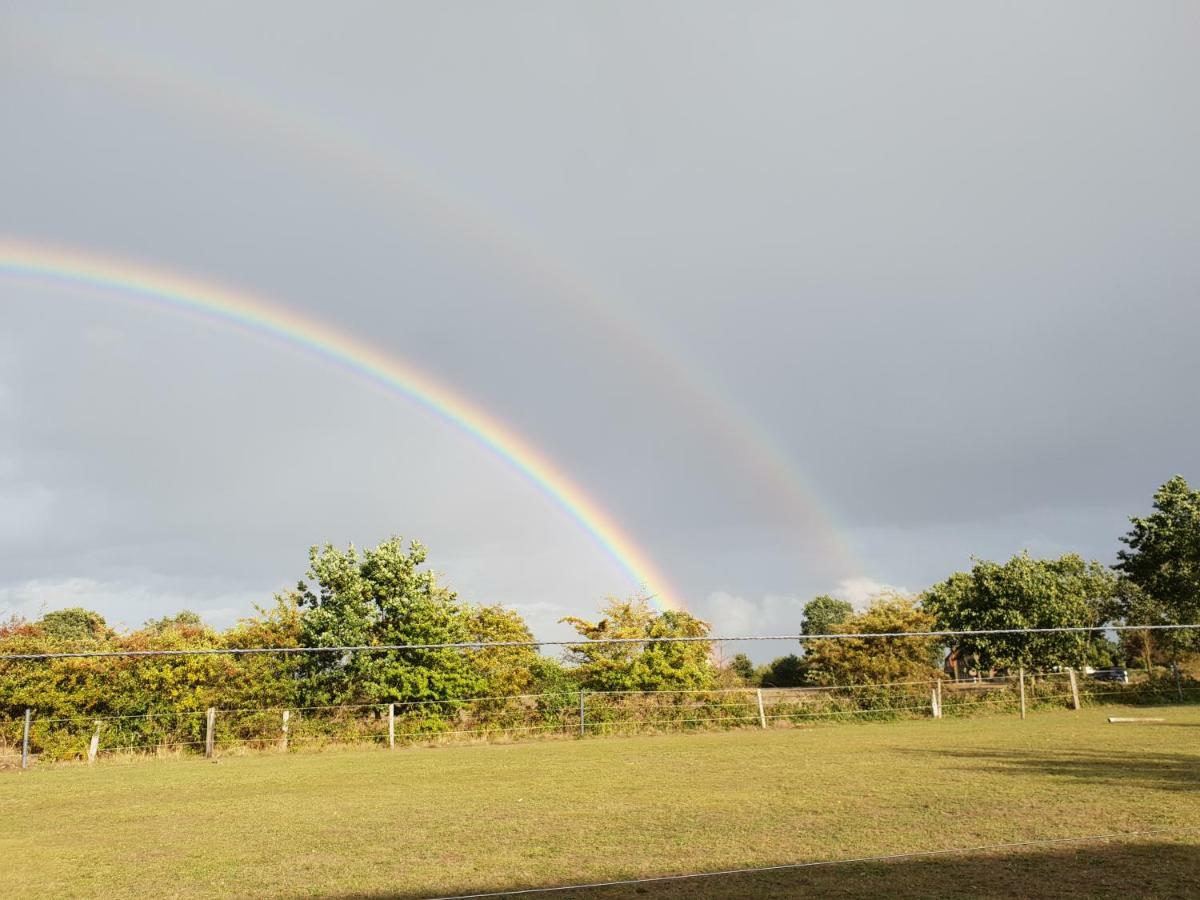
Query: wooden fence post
[25,739]
[283,740]
[938,688]
[391,726]
[1178,683]
[1074,690]
[1021,675]
[210,722]
[94,746]
[582,719]
[762,715]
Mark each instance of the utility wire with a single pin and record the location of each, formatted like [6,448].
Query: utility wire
[489,645]
[916,854]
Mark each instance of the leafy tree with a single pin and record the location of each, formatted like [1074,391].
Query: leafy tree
[266,679]
[1025,593]
[743,668]
[878,660]
[822,613]
[382,597]
[184,620]
[786,671]
[505,671]
[1162,565]
[73,624]
[638,666]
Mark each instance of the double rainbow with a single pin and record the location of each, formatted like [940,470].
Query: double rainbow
[245,310]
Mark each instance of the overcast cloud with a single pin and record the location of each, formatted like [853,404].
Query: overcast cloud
[938,261]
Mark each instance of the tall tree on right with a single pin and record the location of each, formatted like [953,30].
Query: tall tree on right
[1019,595]
[1162,564]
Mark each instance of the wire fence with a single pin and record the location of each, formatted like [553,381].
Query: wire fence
[51,735]
[591,642]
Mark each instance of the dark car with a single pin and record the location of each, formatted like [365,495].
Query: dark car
[1118,675]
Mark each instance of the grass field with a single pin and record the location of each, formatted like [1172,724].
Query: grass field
[427,822]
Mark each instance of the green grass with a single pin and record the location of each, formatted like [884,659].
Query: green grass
[423,822]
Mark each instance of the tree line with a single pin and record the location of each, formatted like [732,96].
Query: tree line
[386,595]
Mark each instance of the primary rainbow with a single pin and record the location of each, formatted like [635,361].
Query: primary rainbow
[246,310]
[115,61]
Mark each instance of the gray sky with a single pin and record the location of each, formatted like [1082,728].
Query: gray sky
[811,297]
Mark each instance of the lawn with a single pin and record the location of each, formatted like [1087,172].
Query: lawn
[427,822]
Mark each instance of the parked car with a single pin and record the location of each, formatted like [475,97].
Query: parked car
[1120,676]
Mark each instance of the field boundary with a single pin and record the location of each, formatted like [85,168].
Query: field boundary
[43,736]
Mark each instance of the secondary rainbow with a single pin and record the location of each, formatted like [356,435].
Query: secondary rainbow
[170,290]
[139,71]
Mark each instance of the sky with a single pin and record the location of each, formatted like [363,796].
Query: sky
[808,298]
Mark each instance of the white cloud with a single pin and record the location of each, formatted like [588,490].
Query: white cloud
[859,590]
[115,600]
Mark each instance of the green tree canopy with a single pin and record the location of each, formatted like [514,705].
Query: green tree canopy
[183,620]
[1025,593]
[382,597]
[822,613]
[505,671]
[786,671]
[1162,562]
[877,660]
[642,666]
[743,668]
[73,624]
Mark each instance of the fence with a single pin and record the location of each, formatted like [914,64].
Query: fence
[38,735]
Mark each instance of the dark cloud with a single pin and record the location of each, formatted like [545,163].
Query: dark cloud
[939,260]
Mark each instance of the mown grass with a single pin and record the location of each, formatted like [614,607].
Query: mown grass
[426,822]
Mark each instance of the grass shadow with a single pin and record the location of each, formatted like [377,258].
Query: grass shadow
[1161,869]
[1160,771]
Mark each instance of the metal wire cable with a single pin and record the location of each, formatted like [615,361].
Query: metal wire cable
[489,645]
[889,857]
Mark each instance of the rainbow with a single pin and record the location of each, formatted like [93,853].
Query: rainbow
[244,310]
[143,72]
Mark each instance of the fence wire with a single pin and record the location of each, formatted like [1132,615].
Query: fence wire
[55,736]
[535,644]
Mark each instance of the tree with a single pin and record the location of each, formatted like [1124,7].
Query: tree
[822,613]
[877,660]
[642,666]
[266,678]
[505,670]
[382,597]
[743,668]
[786,671]
[182,620]
[73,624]
[1025,593]
[1162,564]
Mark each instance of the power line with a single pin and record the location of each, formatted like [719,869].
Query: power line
[891,857]
[533,644]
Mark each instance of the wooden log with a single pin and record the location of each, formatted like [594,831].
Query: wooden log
[1074,689]
[1117,720]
